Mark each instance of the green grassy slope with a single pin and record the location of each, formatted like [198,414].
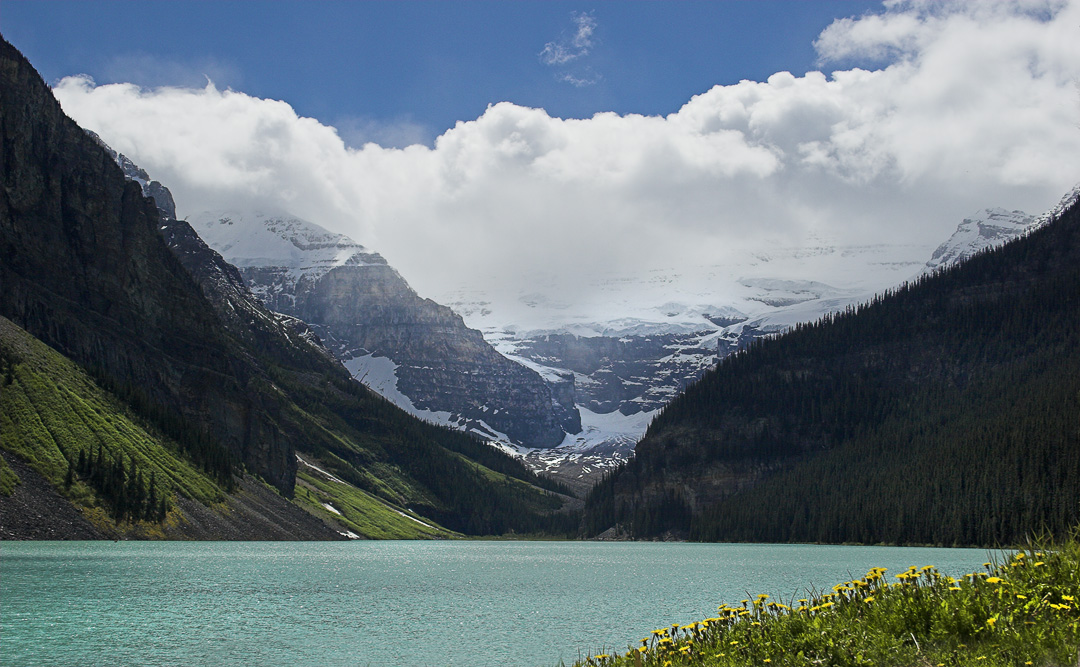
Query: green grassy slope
[50,410]
[371,444]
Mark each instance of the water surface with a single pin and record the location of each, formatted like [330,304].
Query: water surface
[411,604]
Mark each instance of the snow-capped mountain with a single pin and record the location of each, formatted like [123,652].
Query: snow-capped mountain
[291,249]
[414,351]
[986,229]
[651,333]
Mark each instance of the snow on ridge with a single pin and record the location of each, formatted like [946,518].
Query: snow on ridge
[685,299]
[1056,210]
[258,239]
[988,228]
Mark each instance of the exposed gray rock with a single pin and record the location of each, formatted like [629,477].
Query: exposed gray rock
[362,308]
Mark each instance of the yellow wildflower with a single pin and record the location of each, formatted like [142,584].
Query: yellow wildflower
[994,580]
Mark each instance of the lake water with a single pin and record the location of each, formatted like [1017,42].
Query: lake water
[390,603]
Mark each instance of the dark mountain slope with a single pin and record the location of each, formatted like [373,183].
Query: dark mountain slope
[177,337]
[83,268]
[945,412]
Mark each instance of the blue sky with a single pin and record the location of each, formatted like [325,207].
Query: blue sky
[409,70]
[495,142]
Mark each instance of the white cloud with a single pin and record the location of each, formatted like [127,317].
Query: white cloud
[569,48]
[565,53]
[976,106]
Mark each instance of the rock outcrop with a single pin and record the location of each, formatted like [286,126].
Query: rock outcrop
[363,310]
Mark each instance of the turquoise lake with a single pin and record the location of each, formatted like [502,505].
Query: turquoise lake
[391,603]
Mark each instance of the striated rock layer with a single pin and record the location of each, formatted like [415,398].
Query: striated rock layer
[364,311]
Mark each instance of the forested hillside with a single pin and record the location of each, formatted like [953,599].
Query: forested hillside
[945,412]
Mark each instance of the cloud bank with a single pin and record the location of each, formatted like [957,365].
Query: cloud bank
[962,106]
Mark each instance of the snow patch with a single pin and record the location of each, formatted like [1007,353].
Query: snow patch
[380,375]
[308,464]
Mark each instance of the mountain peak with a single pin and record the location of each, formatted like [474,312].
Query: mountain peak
[988,228]
[259,238]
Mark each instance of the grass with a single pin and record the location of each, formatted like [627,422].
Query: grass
[50,410]
[1022,612]
[361,512]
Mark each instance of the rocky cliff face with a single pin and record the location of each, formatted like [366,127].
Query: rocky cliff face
[371,319]
[628,374]
[84,268]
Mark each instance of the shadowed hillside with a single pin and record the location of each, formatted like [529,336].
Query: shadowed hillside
[945,412]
